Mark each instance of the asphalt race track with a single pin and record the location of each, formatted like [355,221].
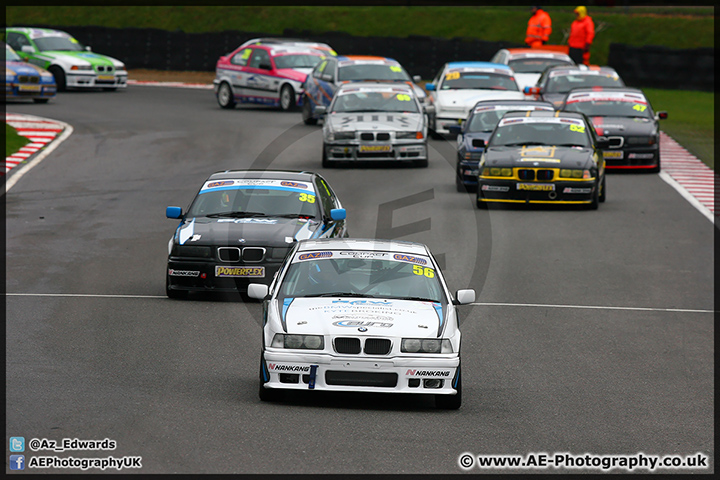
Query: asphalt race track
[592,333]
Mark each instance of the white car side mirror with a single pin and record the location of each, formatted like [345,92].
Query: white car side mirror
[258,291]
[463,297]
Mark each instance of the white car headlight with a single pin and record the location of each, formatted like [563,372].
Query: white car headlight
[307,342]
[418,135]
[426,345]
[81,67]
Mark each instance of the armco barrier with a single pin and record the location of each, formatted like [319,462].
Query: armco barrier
[156,49]
[661,67]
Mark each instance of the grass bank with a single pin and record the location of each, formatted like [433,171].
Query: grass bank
[13,141]
[638,26]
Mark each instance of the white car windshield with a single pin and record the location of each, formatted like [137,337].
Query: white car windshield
[10,55]
[363,277]
[456,80]
[68,44]
[382,101]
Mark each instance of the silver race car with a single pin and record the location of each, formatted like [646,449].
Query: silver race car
[374,122]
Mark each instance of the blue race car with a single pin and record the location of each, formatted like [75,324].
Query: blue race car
[475,132]
[320,86]
[23,80]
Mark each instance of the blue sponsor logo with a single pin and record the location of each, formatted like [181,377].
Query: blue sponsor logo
[306,256]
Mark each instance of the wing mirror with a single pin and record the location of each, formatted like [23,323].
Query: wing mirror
[531,90]
[320,110]
[338,214]
[662,115]
[456,129]
[27,49]
[465,296]
[430,87]
[258,291]
[417,78]
[173,212]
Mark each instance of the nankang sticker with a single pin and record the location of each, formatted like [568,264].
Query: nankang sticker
[288,368]
[576,190]
[427,373]
[506,121]
[410,258]
[183,273]
[494,188]
[356,323]
[307,256]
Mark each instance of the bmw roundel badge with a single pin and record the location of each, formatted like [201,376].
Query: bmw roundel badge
[362,329]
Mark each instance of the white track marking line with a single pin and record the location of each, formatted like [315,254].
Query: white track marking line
[480,304]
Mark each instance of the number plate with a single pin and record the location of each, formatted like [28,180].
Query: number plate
[29,88]
[536,187]
[375,148]
[613,154]
[106,77]
[240,272]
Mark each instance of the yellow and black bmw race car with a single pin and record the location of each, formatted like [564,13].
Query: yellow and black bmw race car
[543,157]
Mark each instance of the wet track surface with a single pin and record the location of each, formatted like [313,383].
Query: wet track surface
[592,333]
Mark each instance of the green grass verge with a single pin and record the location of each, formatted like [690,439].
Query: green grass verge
[638,26]
[691,119]
[13,141]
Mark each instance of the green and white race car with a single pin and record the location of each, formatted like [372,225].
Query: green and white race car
[72,64]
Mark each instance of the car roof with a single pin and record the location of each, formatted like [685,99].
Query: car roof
[477,65]
[265,174]
[364,244]
[536,52]
[364,58]
[490,103]
[581,69]
[606,89]
[380,84]
[38,32]
[545,114]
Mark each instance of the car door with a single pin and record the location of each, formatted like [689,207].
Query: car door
[327,83]
[238,61]
[259,85]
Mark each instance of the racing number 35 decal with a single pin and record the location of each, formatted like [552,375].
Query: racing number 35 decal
[427,271]
[306,197]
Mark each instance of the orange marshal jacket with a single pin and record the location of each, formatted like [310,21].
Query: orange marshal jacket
[539,27]
[582,33]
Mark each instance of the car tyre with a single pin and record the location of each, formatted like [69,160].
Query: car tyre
[451,402]
[110,89]
[41,100]
[593,205]
[421,163]
[287,98]
[174,294]
[225,97]
[656,168]
[326,163]
[603,191]
[480,204]
[307,114]
[266,394]
[59,75]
